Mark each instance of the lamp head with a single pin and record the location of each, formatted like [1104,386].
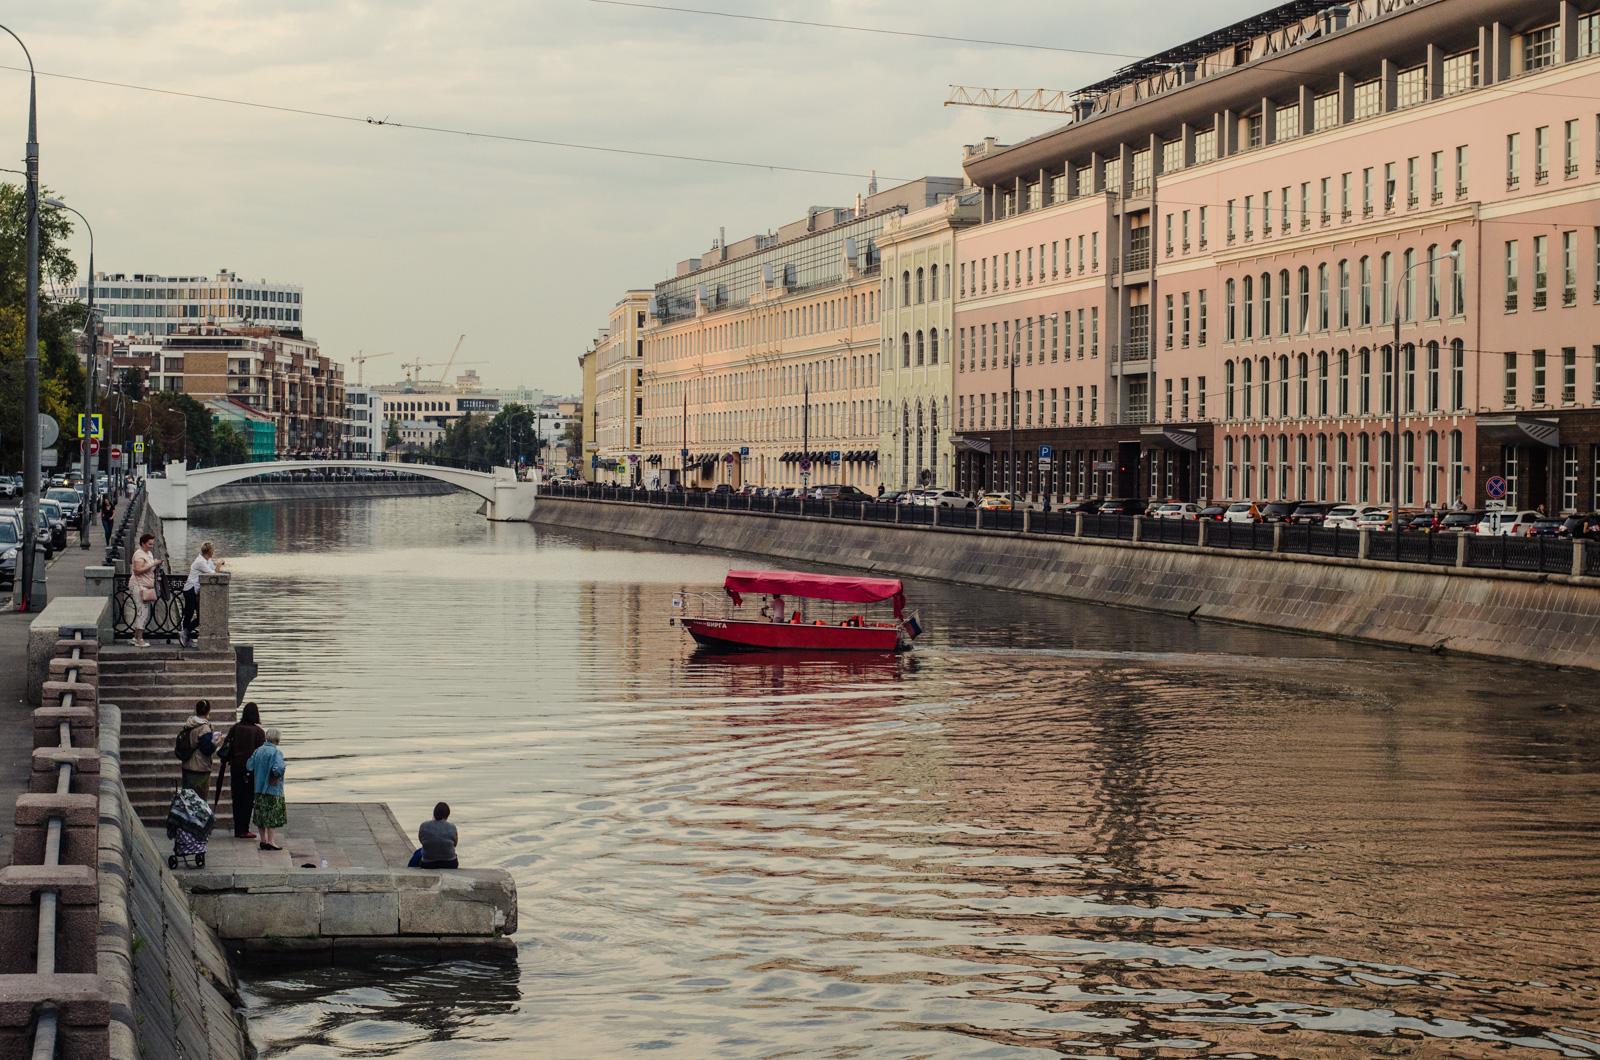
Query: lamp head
[48,201]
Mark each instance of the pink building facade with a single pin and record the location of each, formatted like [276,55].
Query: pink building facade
[1195,283]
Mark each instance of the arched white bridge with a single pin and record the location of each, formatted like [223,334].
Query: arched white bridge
[509,499]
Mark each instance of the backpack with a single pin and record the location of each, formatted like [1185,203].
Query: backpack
[181,748]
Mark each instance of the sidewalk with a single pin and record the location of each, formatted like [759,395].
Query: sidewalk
[63,577]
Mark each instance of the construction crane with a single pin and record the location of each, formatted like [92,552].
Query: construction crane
[360,361]
[1047,100]
[413,370]
[459,340]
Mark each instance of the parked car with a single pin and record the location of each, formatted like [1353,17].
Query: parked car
[58,524]
[9,487]
[1242,512]
[10,538]
[1548,526]
[1375,518]
[1089,507]
[1177,510]
[1214,512]
[722,487]
[950,499]
[995,502]
[1460,522]
[1507,523]
[1421,523]
[1121,506]
[1583,525]
[839,493]
[1278,511]
[1345,516]
[1310,513]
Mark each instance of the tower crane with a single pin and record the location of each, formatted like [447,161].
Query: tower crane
[459,340]
[1046,100]
[360,361]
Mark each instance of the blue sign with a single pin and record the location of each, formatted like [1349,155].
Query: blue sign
[744,450]
[835,456]
[594,461]
[684,453]
[1045,452]
[1495,487]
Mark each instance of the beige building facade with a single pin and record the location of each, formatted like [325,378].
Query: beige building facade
[618,400]
[762,358]
[917,378]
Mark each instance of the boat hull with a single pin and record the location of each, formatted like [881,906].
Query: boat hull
[790,636]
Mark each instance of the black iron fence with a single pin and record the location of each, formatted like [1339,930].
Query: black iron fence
[1546,555]
[166,611]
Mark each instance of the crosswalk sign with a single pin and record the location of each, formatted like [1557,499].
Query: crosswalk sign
[138,446]
[91,425]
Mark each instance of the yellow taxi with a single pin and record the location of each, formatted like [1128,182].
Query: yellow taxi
[994,502]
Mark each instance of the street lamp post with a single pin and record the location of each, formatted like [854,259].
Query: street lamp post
[1394,401]
[89,332]
[30,399]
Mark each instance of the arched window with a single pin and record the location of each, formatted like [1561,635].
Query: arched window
[1247,363]
[905,349]
[1343,392]
[1458,281]
[1283,384]
[933,282]
[1266,304]
[1457,468]
[1322,382]
[1227,456]
[1228,299]
[1433,376]
[1386,287]
[1458,375]
[920,352]
[1305,300]
[905,288]
[1247,466]
[1304,380]
[921,296]
[1341,478]
[1322,297]
[1433,282]
[1266,388]
[1344,293]
[1249,307]
[1408,286]
[1283,302]
[933,346]
[1227,388]
[1365,279]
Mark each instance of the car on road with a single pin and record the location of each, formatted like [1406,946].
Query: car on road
[1583,525]
[1121,506]
[1214,512]
[1421,523]
[1344,516]
[71,502]
[1177,510]
[1278,511]
[1242,512]
[58,524]
[1374,517]
[950,499]
[1088,507]
[1509,523]
[1460,522]
[1548,526]
[722,487]
[43,536]
[8,486]
[1310,513]
[995,502]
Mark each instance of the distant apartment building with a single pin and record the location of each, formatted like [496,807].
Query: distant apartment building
[147,304]
[588,458]
[619,390]
[918,366]
[762,357]
[1196,281]
[274,372]
[365,434]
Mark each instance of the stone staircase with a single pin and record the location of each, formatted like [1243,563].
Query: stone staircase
[156,689]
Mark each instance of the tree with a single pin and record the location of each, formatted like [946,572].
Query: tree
[392,439]
[574,437]
[228,445]
[60,374]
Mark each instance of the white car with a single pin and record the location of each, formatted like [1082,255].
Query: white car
[1242,512]
[945,499]
[1348,516]
[1507,523]
[1176,510]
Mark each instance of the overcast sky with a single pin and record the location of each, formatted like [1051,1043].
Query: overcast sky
[405,239]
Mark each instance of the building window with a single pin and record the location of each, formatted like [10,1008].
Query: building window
[1460,72]
[1368,100]
[1541,154]
[1509,397]
[1458,375]
[1513,161]
[1325,111]
[1541,277]
[1253,127]
[1228,312]
[1365,280]
[1588,35]
[1569,149]
[1511,276]
[1322,297]
[1461,171]
[1200,326]
[1569,478]
[1410,87]
[1205,147]
[1183,333]
[1539,49]
[1344,294]
[1288,122]
[1538,377]
[1569,268]
[1305,300]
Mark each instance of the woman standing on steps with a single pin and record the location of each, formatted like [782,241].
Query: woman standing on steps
[270,813]
[142,586]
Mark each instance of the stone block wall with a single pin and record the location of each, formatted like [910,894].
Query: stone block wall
[1537,618]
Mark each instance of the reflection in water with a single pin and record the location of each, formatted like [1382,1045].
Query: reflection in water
[1051,827]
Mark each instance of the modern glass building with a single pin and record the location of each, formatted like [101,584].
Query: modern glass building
[146,304]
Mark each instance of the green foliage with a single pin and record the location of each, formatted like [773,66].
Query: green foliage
[228,445]
[60,374]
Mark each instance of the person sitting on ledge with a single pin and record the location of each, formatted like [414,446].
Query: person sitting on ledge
[438,838]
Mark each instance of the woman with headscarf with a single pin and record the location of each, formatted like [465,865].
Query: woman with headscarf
[270,812]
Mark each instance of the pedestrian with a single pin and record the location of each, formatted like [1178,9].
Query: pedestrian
[1459,505]
[880,489]
[196,743]
[204,563]
[266,768]
[438,838]
[142,586]
[108,514]
[237,747]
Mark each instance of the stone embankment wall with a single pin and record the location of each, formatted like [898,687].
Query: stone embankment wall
[1544,619]
[132,972]
[257,492]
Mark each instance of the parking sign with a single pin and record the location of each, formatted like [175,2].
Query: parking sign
[1495,487]
[1046,457]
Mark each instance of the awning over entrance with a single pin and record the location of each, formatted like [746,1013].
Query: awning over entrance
[1169,438]
[1513,429]
[974,445]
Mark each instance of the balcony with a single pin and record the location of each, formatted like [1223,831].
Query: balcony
[1541,298]
[1366,211]
[1513,182]
[1572,170]
[1509,399]
[1511,302]
[1541,176]
[1461,191]
[1345,215]
[1411,202]
[1437,198]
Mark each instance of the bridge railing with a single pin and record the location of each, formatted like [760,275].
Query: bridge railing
[1563,556]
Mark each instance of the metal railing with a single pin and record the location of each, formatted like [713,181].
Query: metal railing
[1532,555]
[166,610]
[46,1025]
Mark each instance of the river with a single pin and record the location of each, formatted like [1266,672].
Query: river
[1052,828]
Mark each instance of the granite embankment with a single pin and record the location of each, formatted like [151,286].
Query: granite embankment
[257,492]
[1537,618]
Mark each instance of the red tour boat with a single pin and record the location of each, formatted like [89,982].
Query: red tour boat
[803,611]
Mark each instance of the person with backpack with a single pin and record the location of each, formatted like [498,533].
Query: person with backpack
[195,745]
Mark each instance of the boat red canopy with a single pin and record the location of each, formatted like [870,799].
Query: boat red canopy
[815,587]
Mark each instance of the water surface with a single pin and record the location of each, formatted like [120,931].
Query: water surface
[1053,829]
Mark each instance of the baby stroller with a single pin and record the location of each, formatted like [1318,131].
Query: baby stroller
[189,824]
